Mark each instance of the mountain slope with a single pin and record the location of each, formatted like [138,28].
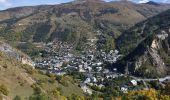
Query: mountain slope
[73,21]
[146,47]
[18,78]
[140,31]
[10,76]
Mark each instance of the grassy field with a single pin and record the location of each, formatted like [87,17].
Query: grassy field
[66,90]
[10,71]
[18,80]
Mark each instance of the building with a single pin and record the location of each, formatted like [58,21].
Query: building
[86,89]
[134,82]
[124,89]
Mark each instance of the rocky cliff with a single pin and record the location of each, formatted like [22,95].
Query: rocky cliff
[148,55]
[16,54]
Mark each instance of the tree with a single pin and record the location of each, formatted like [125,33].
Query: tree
[58,78]
[166,90]
[37,90]
[17,98]
[109,44]
[55,93]
[4,90]
[1,97]
[150,94]
[52,79]
[39,97]
[75,97]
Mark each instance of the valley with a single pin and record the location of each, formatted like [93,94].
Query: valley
[85,50]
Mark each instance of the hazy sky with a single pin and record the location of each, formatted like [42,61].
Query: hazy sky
[15,3]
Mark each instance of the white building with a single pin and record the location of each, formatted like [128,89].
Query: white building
[88,80]
[86,89]
[134,82]
[94,79]
[124,89]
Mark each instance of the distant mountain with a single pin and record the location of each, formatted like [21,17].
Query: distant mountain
[74,22]
[153,3]
[146,47]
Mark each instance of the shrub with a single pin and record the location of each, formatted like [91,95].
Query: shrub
[29,69]
[39,97]
[5,66]
[1,97]
[150,94]
[42,81]
[64,82]
[4,90]
[17,98]
[37,90]
[55,93]
[52,79]
[58,78]
[75,97]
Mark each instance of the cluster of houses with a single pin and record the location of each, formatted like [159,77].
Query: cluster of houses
[58,52]
[91,63]
[59,59]
[88,61]
[126,87]
[100,82]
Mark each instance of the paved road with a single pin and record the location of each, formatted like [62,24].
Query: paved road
[136,78]
[151,79]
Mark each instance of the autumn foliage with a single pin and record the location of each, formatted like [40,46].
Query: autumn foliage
[150,94]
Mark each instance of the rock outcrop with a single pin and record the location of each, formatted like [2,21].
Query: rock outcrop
[146,47]
[16,54]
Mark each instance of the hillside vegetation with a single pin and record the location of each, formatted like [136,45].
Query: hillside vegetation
[146,47]
[21,80]
[73,21]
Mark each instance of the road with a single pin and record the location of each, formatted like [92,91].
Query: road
[144,80]
[136,78]
[151,79]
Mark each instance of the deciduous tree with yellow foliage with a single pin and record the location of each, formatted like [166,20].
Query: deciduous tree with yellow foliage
[150,94]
